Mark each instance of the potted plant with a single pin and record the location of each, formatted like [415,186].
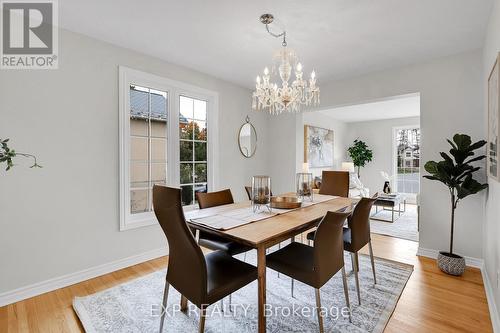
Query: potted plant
[360,154]
[457,174]
[7,155]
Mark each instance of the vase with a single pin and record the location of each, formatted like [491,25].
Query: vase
[387,188]
[450,263]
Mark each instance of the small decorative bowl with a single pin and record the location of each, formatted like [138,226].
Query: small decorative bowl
[285,202]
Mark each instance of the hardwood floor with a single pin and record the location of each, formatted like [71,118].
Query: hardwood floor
[431,302]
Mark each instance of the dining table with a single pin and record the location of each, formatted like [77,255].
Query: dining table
[267,231]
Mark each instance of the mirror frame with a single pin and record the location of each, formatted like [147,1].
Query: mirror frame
[247,122]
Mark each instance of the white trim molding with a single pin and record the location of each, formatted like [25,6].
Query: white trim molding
[39,288]
[431,253]
[492,305]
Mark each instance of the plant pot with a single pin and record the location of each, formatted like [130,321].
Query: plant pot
[450,263]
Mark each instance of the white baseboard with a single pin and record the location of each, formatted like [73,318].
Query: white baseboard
[469,261]
[477,263]
[39,288]
[495,319]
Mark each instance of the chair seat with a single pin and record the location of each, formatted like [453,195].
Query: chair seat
[216,243]
[226,274]
[295,260]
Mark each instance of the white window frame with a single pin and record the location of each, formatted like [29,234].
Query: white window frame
[174,89]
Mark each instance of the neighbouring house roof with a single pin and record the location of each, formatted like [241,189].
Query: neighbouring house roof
[139,106]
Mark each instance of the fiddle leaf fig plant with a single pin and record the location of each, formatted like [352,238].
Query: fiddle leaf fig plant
[8,154]
[457,172]
[360,154]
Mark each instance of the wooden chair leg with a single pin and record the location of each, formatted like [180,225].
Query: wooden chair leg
[356,270]
[373,262]
[203,313]
[184,303]
[164,305]
[318,309]
[346,292]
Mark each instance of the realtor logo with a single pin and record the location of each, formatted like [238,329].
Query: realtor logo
[29,35]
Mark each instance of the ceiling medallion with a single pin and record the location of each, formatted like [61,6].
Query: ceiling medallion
[268,96]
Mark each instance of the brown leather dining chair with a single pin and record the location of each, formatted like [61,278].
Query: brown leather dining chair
[201,279]
[335,183]
[357,235]
[211,241]
[316,265]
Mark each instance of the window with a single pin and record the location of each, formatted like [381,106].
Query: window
[148,142]
[165,139]
[193,147]
[407,161]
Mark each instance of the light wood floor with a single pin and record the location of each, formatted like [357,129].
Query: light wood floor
[431,302]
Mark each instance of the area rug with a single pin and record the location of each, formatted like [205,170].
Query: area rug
[136,306]
[406,226]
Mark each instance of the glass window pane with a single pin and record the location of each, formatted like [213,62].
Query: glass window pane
[158,150]
[200,172]
[139,148]
[158,105]
[200,109]
[185,131]
[186,150]
[187,194]
[139,102]
[159,129]
[138,174]
[200,130]
[159,173]
[200,151]
[186,173]
[185,108]
[139,201]
[139,127]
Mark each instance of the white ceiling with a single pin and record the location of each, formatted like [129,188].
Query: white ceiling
[397,107]
[339,38]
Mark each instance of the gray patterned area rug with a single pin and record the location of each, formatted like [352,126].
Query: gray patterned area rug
[404,227]
[136,305]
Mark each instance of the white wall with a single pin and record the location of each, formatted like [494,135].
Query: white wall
[378,136]
[339,129]
[491,248]
[64,218]
[451,97]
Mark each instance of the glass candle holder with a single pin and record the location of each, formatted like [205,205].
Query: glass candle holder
[304,185]
[261,192]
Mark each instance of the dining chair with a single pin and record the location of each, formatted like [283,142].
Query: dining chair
[211,241]
[316,265]
[201,279]
[248,189]
[357,235]
[335,183]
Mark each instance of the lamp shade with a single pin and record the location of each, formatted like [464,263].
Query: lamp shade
[348,166]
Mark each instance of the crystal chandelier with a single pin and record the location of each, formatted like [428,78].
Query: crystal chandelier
[287,97]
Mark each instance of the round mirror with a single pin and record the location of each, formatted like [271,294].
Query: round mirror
[247,139]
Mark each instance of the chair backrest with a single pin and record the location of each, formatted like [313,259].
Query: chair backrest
[248,189]
[329,246]
[187,270]
[212,199]
[335,183]
[360,223]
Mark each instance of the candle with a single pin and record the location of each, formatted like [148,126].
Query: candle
[305,167]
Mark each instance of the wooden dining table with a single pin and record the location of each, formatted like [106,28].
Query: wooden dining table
[268,232]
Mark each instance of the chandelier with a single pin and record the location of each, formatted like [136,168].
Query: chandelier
[286,97]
